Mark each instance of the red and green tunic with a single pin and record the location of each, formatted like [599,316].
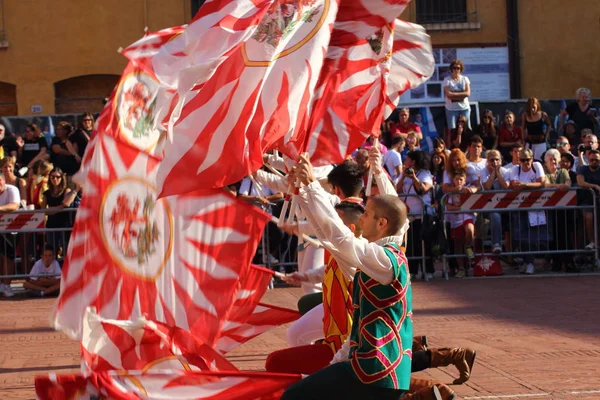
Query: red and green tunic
[337,305]
[381,337]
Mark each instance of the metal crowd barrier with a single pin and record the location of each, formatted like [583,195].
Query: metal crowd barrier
[23,235]
[545,222]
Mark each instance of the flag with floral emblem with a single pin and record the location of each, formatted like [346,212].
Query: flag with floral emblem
[177,260]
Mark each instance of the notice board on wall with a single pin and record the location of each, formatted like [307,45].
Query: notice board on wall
[486,68]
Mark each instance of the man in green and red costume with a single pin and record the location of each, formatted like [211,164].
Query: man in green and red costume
[375,363]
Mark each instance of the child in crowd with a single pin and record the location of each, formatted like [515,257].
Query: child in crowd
[462,225]
[44,278]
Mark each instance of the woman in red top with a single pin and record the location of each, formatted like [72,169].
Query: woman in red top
[510,134]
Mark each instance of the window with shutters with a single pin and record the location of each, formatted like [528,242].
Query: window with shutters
[441,11]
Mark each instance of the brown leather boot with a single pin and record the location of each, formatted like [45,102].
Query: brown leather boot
[418,384]
[462,359]
[419,343]
[426,393]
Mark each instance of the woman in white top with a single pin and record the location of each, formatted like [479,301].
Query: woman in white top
[416,180]
[457,89]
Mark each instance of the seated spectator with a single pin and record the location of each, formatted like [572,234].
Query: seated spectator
[458,161]
[7,165]
[82,135]
[580,112]
[32,147]
[416,180]
[392,160]
[487,131]
[557,177]
[404,126]
[9,201]
[536,128]
[8,144]
[56,197]
[38,182]
[438,166]
[509,135]
[44,278]
[528,228]
[588,177]
[64,152]
[495,177]
[566,161]
[462,225]
[460,137]
[439,146]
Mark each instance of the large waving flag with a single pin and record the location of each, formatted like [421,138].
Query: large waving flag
[252,90]
[177,260]
[372,59]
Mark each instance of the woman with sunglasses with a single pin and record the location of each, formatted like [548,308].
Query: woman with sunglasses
[457,89]
[536,128]
[460,137]
[56,197]
[82,135]
[487,131]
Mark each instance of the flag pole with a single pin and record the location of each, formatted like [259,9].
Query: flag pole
[371,169]
[304,237]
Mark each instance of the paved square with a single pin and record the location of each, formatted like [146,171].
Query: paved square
[536,337]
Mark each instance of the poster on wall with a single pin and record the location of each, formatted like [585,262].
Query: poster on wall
[486,68]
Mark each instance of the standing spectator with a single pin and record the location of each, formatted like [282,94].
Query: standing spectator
[567,162]
[32,147]
[536,127]
[8,144]
[82,135]
[580,112]
[495,177]
[404,126]
[44,277]
[56,197]
[529,228]
[475,163]
[416,180]
[7,165]
[438,166]
[572,135]
[460,137]
[393,160]
[462,225]
[65,154]
[564,147]
[9,201]
[457,89]
[590,142]
[509,135]
[38,182]
[557,177]
[457,161]
[588,177]
[487,131]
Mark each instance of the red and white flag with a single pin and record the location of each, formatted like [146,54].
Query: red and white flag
[263,318]
[258,95]
[111,345]
[372,59]
[165,385]
[176,260]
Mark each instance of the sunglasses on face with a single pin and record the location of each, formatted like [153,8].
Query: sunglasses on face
[487,117]
[87,120]
[55,176]
[562,144]
[455,68]
[494,159]
[525,159]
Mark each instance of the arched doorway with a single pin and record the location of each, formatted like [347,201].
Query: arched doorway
[83,93]
[8,99]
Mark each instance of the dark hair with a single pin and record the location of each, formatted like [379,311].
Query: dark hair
[66,126]
[475,139]
[391,208]
[516,146]
[33,127]
[348,177]
[63,180]
[351,210]
[87,115]
[397,140]
[457,63]
[594,152]
[49,247]
[438,141]
[569,157]
[420,158]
